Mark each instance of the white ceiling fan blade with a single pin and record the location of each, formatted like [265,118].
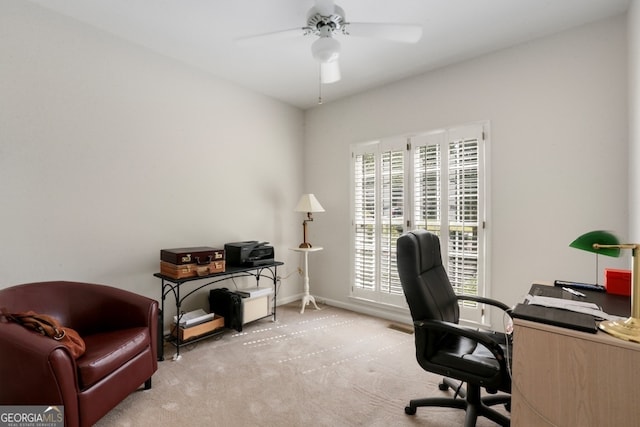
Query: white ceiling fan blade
[329,72]
[325,7]
[259,39]
[405,33]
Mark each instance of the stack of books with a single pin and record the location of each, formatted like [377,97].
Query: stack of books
[193,318]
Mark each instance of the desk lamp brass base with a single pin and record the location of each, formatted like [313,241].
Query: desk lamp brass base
[628,329]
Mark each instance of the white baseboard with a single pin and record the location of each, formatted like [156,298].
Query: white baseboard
[359,306]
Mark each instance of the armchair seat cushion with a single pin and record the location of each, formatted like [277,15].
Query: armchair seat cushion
[107,351]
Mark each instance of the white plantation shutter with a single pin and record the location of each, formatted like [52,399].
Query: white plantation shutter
[379,193]
[392,218]
[463,213]
[365,220]
[432,181]
[427,181]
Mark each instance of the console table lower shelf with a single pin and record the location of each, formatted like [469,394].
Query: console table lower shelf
[216,327]
[187,335]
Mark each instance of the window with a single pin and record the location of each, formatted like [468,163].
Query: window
[433,181]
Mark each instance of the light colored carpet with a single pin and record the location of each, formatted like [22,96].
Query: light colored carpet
[328,367]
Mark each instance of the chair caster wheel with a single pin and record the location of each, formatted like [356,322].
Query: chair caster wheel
[443,387]
[409,410]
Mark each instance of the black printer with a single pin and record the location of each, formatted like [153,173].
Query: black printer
[250,253]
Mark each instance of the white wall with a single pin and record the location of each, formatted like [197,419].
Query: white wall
[634,120]
[558,150]
[109,153]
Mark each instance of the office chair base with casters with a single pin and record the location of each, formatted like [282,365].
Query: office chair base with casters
[456,386]
[473,404]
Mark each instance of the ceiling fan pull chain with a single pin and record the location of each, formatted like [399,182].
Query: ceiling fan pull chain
[319,83]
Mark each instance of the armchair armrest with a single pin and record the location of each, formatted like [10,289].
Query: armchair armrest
[40,370]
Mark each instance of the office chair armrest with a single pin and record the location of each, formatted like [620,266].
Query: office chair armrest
[487,301]
[427,326]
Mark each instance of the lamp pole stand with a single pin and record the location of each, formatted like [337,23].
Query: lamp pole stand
[304,243]
[628,329]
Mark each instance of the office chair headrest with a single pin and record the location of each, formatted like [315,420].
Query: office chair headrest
[428,245]
[423,277]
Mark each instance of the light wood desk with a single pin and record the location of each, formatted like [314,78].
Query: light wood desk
[563,377]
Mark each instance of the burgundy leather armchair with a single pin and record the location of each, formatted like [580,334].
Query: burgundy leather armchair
[120,330]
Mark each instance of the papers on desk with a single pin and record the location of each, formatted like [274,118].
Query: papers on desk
[571,305]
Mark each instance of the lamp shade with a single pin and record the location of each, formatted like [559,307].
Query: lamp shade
[308,203]
[601,237]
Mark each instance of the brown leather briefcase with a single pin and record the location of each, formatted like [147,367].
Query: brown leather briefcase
[183,271]
[197,255]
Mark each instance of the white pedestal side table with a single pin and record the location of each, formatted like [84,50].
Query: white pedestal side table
[307,298]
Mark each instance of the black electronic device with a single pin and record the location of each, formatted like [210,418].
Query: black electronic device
[248,253]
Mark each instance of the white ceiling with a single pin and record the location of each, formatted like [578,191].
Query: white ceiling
[202,33]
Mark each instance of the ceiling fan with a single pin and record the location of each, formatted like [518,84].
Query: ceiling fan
[326,19]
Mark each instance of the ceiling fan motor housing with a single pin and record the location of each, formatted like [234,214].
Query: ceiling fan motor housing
[325,26]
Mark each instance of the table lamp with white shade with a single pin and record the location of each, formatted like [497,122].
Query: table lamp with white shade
[309,204]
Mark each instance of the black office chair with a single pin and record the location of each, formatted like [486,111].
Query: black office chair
[469,355]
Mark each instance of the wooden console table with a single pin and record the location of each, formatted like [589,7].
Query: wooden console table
[173,286]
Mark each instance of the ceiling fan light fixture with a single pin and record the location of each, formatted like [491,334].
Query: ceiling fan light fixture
[325,49]
[329,72]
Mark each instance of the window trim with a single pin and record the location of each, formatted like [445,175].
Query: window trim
[475,315]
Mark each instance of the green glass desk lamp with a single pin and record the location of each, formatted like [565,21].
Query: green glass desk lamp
[605,243]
